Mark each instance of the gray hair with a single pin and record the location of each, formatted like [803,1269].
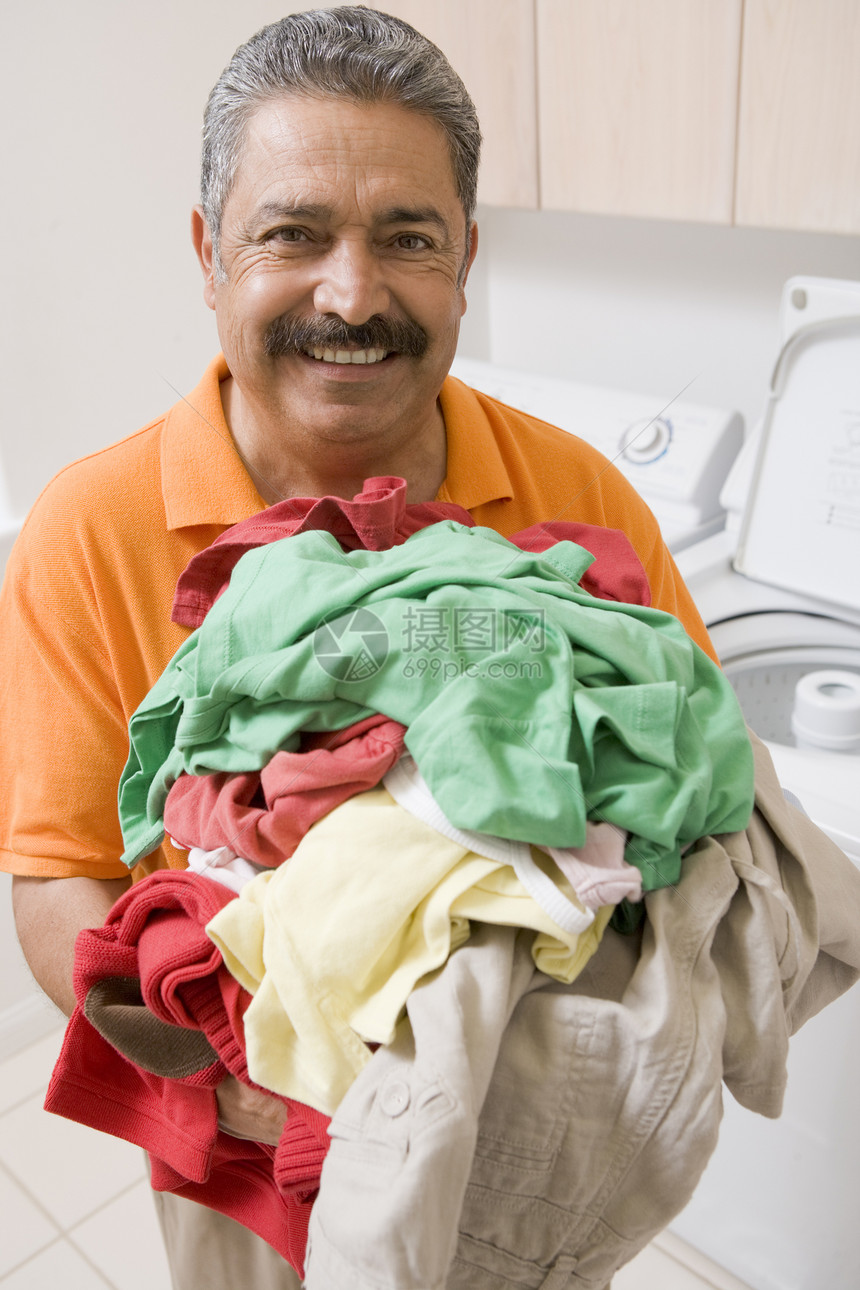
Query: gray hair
[352,53]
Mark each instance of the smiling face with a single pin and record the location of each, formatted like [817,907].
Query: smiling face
[344,251]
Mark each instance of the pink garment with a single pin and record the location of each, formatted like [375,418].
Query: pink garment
[376,519]
[379,518]
[598,871]
[617,572]
[156,1027]
[263,815]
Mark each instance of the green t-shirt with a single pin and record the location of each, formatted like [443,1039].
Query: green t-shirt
[530,705]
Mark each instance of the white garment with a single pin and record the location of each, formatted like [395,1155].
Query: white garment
[222,865]
[408,787]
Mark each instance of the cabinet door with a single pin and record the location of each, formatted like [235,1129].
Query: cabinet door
[491,44]
[799,129]
[637,106]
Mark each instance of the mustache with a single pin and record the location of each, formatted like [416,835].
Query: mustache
[287,335]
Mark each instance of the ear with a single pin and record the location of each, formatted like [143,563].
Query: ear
[471,252]
[202,239]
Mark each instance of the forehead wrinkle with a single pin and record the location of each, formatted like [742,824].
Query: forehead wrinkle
[362,173]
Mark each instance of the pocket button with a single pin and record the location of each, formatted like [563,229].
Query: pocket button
[395,1098]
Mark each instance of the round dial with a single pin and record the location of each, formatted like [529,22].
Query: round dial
[646,440]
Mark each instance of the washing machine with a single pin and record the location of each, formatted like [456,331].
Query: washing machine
[779,589]
[676,453]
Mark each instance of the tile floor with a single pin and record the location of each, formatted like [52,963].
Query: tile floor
[77,1211]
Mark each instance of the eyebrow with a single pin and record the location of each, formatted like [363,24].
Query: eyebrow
[281,210]
[395,215]
[416,215]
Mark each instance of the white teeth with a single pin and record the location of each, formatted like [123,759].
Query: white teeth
[348,355]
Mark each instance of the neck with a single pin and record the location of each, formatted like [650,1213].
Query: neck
[284,466]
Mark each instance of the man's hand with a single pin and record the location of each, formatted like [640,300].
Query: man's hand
[247,1113]
[49,913]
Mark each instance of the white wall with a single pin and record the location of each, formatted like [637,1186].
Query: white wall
[103,318]
[644,305]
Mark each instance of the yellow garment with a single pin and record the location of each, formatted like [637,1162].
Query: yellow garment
[332,942]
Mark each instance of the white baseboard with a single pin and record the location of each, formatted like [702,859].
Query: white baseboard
[711,1273]
[25,1022]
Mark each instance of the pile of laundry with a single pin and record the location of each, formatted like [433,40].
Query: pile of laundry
[388,727]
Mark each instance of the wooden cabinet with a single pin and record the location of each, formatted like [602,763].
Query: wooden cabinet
[639,115]
[637,106]
[799,130]
[726,111]
[491,44]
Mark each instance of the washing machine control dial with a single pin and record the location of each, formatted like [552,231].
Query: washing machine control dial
[646,440]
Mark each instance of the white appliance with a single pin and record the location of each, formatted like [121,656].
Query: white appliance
[780,592]
[676,454]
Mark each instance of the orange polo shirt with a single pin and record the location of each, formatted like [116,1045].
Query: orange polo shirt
[86,601]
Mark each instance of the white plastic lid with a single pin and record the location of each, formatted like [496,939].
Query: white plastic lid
[801,525]
[827,711]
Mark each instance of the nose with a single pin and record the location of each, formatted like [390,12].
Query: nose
[351,284]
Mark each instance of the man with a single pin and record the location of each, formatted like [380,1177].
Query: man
[335,234]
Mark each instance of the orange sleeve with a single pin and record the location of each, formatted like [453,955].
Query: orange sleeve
[65,739]
[85,613]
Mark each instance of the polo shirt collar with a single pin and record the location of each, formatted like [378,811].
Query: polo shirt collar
[204,480]
[476,472]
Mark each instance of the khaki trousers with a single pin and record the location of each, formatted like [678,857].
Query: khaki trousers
[209,1251]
